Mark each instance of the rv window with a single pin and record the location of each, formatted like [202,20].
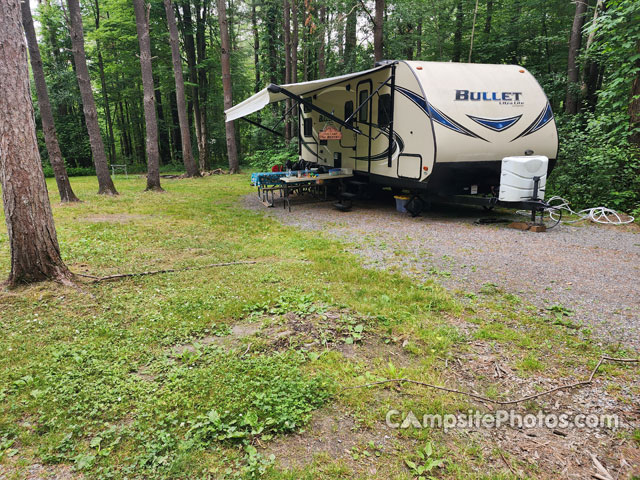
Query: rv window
[384,110]
[363,114]
[306,109]
[308,122]
[348,110]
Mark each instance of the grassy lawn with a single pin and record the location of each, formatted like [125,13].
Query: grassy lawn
[214,373]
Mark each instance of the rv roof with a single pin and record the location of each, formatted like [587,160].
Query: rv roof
[264,97]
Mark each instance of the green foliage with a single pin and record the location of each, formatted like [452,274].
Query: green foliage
[71,171]
[425,462]
[595,165]
[263,160]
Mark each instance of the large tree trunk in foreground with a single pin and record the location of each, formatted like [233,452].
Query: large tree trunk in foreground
[377,31]
[151,121]
[225,62]
[105,184]
[49,128]
[35,254]
[571,101]
[187,152]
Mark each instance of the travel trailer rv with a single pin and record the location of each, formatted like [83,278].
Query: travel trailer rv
[435,129]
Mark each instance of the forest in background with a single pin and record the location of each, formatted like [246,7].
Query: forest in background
[585,54]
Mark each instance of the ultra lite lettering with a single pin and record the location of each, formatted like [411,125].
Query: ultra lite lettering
[488,96]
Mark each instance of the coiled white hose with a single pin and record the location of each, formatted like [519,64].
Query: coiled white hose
[596,214]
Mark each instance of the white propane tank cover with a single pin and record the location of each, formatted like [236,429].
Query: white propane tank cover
[516,179]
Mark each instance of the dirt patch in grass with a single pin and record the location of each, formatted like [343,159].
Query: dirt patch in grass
[37,471]
[334,434]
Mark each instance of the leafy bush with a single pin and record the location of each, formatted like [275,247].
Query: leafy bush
[595,166]
[71,171]
[263,160]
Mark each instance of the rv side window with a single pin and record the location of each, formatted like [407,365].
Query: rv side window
[306,109]
[363,114]
[384,110]
[348,111]
[308,122]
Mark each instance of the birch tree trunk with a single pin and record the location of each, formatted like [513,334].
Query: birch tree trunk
[105,184]
[150,119]
[225,62]
[49,128]
[35,254]
[183,119]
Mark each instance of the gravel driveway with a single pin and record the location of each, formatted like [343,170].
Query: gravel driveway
[592,270]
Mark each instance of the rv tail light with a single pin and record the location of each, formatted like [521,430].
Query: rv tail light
[425,168]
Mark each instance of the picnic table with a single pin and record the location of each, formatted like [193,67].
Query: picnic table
[315,183]
[287,183]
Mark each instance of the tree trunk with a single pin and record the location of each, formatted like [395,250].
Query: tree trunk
[487,22]
[350,39]
[48,126]
[225,62]
[105,184]
[457,37]
[377,31]
[634,105]
[185,135]
[203,87]
[141,11]
[256,46]
[575,40]
[103,85]
[419,41]
[287,67]
[322,65]
[163,131]
[294,41]
[35,254]
[190,50]
[592,69]
[176,141]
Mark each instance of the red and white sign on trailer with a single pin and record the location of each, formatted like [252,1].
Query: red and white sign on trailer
[330,133]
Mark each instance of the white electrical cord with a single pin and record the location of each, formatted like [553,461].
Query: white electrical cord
[602,215]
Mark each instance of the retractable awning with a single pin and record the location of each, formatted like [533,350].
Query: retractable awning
[270,95]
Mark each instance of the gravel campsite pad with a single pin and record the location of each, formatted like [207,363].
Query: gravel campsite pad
[589,273]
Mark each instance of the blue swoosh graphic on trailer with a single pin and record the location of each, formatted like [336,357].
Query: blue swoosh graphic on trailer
[496,124]
[437,115]
[543,118]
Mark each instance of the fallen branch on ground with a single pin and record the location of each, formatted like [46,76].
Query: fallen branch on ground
[166,270]
[502,402]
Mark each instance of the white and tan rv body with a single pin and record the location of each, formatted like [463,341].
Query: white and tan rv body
[453,123]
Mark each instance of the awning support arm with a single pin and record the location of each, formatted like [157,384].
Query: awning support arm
[262,126]
[367,100]
[286,113]
[278,89]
